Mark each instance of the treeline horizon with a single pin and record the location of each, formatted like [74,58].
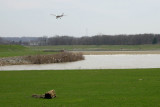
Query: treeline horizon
[138,39]
[123,39]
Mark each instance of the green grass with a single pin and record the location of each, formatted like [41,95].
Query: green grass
[98,47]
[81,88]
[18,50]
[11,48]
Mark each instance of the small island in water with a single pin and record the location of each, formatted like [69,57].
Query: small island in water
[42,59]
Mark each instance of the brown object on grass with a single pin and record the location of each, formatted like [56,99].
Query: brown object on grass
[38,96]
[48,95]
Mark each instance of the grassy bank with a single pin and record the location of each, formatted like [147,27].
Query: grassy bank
[18,50]
[81,88]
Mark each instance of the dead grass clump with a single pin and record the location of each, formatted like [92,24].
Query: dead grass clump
[2,63]
[56,58]
[12,61]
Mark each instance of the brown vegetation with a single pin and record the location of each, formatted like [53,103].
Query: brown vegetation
[48,95]
[55,58]
[42,59]
[13,61]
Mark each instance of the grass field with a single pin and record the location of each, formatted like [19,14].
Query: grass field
[81,88]
[18,50]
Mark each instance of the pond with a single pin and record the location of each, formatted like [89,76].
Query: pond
[98,62]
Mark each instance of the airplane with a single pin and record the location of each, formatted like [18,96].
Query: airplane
[58,16]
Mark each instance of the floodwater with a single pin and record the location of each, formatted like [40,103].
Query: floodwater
[98,62]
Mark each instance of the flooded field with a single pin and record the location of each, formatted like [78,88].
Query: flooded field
[122,61]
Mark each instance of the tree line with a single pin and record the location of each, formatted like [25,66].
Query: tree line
[1,41]
[137,39]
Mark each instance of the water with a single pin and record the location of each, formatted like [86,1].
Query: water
[98,62]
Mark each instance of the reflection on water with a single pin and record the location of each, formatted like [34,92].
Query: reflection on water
[98,62]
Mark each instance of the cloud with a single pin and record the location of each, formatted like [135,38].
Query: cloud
[20,4]
[33,4]
[62,0]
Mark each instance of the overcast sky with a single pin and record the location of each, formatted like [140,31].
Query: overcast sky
[84,17]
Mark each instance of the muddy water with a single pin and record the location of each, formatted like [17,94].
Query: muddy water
[98,62]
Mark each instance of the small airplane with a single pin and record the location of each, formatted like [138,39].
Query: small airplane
[58,16]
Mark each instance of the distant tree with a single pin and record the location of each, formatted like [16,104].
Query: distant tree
[43,40]
[20,42]
[0,40]
[155,41]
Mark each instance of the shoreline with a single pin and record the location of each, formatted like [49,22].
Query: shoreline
[116,52]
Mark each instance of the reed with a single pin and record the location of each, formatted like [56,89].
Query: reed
[55,58]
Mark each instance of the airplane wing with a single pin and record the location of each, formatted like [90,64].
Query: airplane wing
[53,14]
[63,14]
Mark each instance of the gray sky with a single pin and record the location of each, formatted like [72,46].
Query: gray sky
[84,17]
